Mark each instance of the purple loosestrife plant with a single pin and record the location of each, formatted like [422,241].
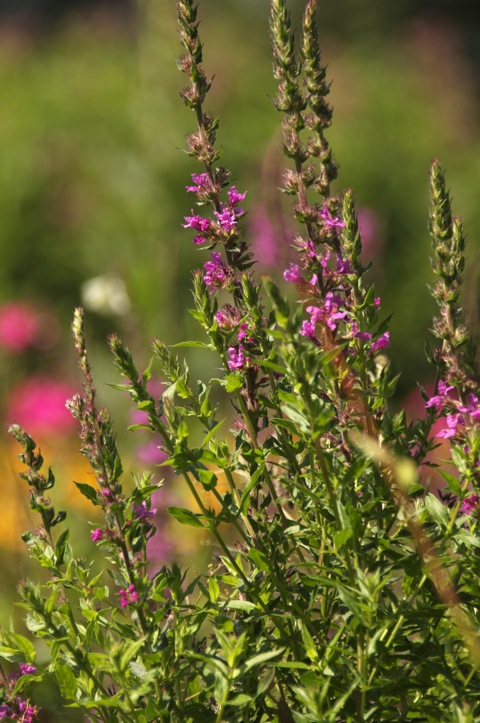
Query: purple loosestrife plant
[340,587]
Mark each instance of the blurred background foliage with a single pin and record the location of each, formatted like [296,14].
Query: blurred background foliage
[92,191]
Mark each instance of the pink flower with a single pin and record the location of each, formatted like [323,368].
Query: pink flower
[227,218]
[217,274]
[26,668]
[264,240]
[128,596]
[38,403]
[234,197]
[438,400]
[344,266]
[370,230]
[142,512]
[19,326]
[150,453]
[197,222]
[382,342]
[329,221]
[453,421]
[237,358]
[307,329]
[362,335]
[97,534]
[202,182]
[292,274]
[469,504]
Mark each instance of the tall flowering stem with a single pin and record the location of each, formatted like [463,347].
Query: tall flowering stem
[456,398]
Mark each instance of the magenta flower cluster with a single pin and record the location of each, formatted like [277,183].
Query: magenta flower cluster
[460,416]
[128,596]
[223,226]
[143,513]
[97,534]
[469,504]
[16,708]
[217,274]
[327,279]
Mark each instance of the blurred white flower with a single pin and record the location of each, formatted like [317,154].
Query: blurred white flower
[106,295]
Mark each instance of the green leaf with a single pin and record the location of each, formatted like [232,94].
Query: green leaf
[130,653]
[87,491]
[342,537]
[259,559]
[260,659]
[213,589]
[207,478]
[212,433]
[232,382]
[240,604]
[271,365]
[60,547]
[10,654]
[452,482]
[185,517]
[296,416]
[310,647]
[244,502]
[437,510]
[24,646]
[66,680]
[192,345]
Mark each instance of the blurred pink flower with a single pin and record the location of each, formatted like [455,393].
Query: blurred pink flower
[38,404]
[150,454]
[264,240]
[370,230]
[19,326]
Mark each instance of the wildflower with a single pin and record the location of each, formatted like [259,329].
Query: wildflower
[26,668]
[227,218]
[197,222]
[202,182]
[27,711]
[329,314]
[472,408]
[362,335]
[453,422]
[142,512]
[329,221]
[439,399]
[242,333]
[217,275]
[292,274]
[97,534]
[234,197]
[382,342]
[344,266]
[469,504]
[307,329]
[228,317]
[128,596]
[376,302]
[237,357]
